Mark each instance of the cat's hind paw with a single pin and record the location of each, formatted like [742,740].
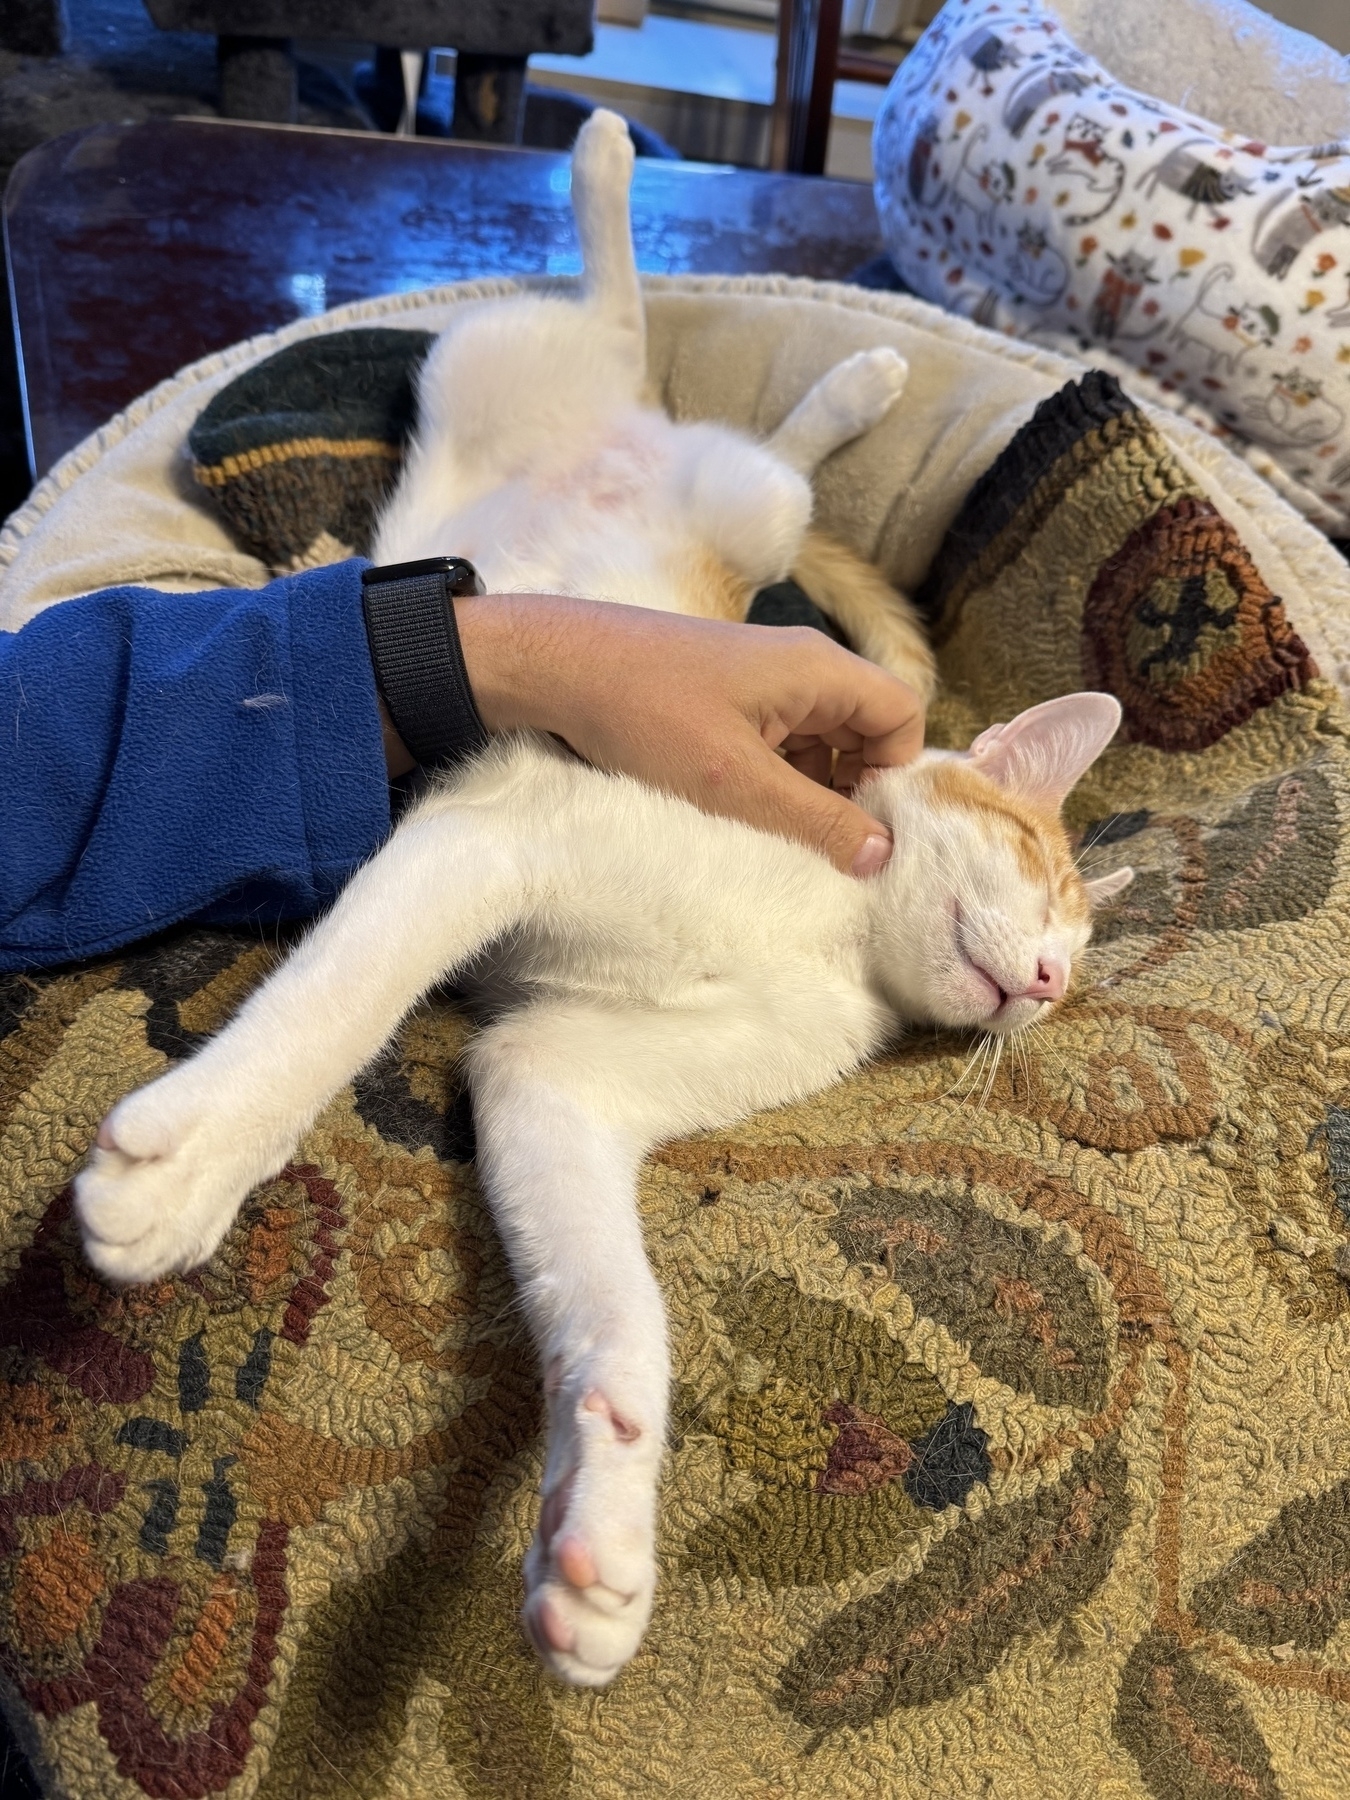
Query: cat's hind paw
[862,389]
[164,1180]
[603,154]
[591,1572]
[847,401]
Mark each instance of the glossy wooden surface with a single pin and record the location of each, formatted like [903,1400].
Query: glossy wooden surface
[136,249]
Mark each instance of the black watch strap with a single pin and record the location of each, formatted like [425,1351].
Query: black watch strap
[419,664]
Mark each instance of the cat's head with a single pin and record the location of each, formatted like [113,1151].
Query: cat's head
[981,912]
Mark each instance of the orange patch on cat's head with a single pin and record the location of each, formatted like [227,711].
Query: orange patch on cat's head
[1037,838]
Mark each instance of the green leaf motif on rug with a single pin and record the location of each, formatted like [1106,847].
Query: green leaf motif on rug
[1267,859]
[1026,1311]
[1290,1585]
[1018,1569]
[1189,1732]
[823,1416]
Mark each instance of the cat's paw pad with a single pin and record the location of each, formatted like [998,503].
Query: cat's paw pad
[863,389]
[603,152]
[591,1572]
[162,1184]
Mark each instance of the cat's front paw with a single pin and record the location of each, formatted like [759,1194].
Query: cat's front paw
[591,1571]
[165,1178]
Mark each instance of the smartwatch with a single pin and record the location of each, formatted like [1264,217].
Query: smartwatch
[418,661]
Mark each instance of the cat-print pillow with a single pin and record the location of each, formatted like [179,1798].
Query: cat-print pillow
[1020,184]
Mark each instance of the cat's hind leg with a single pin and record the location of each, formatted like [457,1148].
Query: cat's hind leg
[511,382]
[561,1177]
[602,178]
[746,505]
[751,503]
[850,399]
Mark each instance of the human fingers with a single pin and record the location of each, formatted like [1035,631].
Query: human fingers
[814,760]
[767,791]
[696,707]
[833,695]
[848,771]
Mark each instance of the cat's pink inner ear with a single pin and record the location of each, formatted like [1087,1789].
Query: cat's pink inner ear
[1041,753]
[1104,888]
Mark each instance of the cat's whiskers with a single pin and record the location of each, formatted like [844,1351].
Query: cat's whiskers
[1014,1049]
[1089,844]
[1024,1051]
[977,1055]
[997,1045]
[1044,1047]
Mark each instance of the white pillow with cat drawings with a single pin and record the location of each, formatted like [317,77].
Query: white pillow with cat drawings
[1019,183]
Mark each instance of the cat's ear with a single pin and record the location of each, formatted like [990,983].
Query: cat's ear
[1041,753]
[1104,888]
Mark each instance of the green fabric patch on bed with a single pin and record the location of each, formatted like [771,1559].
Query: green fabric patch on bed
[304,446]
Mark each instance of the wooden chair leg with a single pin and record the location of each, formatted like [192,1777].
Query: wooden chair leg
[257,79]
[489,98]
[808,50]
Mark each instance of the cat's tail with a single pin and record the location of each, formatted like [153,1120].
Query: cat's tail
[880,623]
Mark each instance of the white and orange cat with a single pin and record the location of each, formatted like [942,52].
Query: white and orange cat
[668,972]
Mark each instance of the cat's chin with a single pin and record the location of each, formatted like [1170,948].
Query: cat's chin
[1017,1015]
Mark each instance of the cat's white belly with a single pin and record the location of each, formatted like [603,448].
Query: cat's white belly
[536,539]
[602,521]
[635,508]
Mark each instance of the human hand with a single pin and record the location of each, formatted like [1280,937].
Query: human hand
[698,707]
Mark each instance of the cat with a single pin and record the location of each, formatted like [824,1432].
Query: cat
[649,971]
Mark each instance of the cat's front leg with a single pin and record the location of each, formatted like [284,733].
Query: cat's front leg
[567,1098]
[174,1161]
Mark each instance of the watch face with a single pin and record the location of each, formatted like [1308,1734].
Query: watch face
[460,575]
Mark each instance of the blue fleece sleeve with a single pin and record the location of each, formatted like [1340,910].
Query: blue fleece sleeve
[174,756]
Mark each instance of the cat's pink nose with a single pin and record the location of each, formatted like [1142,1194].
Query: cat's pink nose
[1051,979]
